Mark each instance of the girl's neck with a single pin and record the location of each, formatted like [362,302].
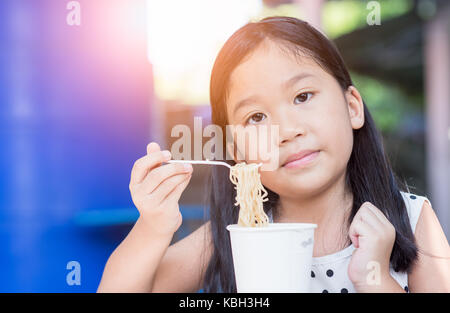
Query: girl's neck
[329,209]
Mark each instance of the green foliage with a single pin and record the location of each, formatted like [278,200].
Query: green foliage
[388,105]
[341,17]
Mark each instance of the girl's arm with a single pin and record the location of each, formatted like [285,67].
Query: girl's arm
[431,273]
[136,263]
[182,267]
[141,264]
[132,265]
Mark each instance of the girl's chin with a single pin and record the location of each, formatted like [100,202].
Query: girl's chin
[293,184]
[301,181]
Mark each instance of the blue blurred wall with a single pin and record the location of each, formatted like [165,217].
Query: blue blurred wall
[75,113]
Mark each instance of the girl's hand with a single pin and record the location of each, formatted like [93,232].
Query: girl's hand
[373,237]
[156,189]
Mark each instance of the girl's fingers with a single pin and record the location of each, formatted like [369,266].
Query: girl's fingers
[143,165]
[380,215]
[152,147]
[175,194]
[354,234]
[385,228]
[355,241]
[166,187]
[158,175]
[360,228]
[367,216]
[357,229]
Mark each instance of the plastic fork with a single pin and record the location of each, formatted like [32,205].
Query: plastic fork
[203,162]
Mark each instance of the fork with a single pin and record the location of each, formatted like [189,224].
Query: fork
[204,162]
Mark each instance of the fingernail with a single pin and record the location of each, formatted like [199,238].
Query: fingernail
[166,154]
[187,166]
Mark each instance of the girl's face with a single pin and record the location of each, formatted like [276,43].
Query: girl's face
[309,107]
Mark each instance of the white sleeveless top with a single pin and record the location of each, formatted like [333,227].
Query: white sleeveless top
[329,272]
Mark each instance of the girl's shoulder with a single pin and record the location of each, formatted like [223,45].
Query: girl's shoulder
[414,204]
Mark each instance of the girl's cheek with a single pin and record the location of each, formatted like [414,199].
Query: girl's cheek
[259,145]
[269,179]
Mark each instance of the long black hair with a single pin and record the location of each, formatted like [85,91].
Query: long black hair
[369,175]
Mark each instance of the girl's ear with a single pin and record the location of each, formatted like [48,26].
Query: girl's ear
[355,107]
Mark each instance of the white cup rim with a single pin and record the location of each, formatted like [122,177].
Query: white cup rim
[272,227]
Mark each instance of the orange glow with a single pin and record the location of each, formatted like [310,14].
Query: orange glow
[184,38]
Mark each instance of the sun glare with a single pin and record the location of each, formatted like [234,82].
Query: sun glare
[184,37]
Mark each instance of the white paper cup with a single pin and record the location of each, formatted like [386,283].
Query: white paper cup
[276,258]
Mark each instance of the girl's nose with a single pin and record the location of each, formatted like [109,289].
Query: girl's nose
[289,127]
[289,134]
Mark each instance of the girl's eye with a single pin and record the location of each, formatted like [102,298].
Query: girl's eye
[303,97]
[256,118]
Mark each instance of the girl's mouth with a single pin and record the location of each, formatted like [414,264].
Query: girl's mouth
[303,161]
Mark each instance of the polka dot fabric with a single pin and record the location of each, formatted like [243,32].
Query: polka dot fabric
[329,272]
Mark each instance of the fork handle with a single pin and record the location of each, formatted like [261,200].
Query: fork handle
[200,162]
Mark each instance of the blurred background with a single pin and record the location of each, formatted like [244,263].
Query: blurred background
[82,95]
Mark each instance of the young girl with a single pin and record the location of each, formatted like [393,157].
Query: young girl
[372,235]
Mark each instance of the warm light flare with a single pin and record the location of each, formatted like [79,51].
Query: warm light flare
[184,38]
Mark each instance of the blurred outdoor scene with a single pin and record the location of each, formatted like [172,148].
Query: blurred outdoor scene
[81,96]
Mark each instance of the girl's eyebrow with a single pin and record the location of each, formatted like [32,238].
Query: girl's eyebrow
[291,81]
[244,103]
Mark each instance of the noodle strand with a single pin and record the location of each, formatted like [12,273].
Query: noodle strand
[250,195]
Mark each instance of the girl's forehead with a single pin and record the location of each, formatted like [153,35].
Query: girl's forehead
[272,62]
[270,71]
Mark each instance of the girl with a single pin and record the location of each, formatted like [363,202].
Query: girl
[372,235]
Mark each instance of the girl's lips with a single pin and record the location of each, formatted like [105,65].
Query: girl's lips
[303,161]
